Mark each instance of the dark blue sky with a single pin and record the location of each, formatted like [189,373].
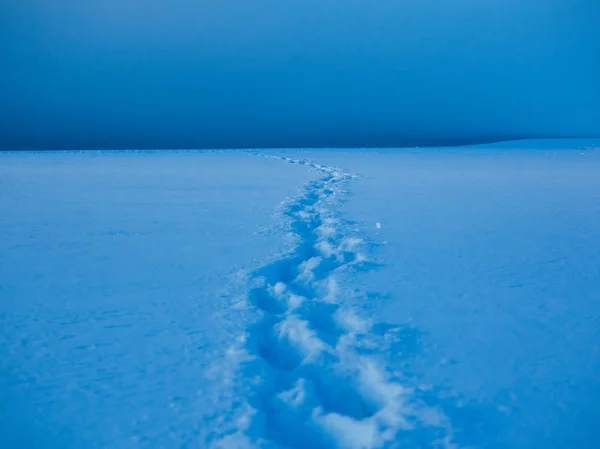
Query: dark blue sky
[254,73]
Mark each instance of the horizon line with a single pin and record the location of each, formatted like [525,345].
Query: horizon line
[314,147]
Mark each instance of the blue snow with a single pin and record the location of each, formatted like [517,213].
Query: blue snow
[355,299]
[113,272]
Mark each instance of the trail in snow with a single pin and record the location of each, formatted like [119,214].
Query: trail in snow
[310,372]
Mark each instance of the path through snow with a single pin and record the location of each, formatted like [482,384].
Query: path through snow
[312,373]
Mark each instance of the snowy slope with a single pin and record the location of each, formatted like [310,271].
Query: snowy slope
[395,298]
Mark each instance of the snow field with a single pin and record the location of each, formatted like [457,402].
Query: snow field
[313,382]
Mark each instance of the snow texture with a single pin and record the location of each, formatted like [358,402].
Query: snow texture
[313,382]
[115,268]
[413,298]
[489,262]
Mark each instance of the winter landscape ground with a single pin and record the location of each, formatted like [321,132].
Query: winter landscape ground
[356,299]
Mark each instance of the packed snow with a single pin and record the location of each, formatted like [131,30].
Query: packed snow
[351,299]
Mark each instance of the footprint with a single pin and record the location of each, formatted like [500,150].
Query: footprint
[313,379]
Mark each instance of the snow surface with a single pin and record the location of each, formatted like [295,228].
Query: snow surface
[113,272]
[302,298]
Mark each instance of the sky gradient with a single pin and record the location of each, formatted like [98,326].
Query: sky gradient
[295,73]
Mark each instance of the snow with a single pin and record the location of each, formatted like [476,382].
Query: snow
[490,272]
[117,271]
[246,300]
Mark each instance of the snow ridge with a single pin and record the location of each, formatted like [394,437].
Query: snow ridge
[308,379]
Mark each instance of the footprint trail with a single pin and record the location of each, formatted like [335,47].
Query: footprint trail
[310,372]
